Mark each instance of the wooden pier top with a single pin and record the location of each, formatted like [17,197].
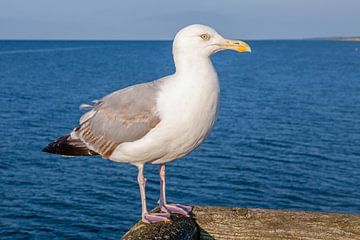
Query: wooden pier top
[227,223]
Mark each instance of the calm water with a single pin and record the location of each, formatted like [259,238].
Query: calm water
[287,136]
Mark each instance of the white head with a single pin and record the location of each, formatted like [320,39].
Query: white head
[202,40]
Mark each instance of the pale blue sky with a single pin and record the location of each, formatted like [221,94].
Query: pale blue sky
[160,19]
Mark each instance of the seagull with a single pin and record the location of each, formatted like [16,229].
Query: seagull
[156,122]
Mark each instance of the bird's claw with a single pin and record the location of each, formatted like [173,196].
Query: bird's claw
[155,217]
[177,208]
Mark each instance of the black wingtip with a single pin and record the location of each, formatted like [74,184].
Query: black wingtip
[66,146]
[56,146]
[49,149]
[46,149]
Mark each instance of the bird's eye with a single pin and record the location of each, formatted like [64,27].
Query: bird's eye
[205,36]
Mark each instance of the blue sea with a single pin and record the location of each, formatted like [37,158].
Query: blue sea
[287,134]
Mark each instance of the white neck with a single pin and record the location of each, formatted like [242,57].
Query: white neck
[191,64]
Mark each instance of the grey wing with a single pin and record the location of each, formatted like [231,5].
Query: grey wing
[122,116]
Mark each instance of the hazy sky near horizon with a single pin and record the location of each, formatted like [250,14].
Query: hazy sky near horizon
[161,19]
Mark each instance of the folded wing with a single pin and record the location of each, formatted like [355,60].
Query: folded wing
[122,116]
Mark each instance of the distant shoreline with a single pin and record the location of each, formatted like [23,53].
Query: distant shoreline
[338,39]
[344,39]
[357,39]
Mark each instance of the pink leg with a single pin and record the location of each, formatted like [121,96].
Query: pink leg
[170,208]
[148,217]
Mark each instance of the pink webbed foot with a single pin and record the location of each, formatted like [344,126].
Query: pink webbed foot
[156,217]
[177,208]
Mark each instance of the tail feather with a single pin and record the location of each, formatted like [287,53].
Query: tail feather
[68,146]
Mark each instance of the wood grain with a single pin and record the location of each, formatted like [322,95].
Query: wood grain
[227,223]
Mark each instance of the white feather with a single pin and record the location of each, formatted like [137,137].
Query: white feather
[187,104]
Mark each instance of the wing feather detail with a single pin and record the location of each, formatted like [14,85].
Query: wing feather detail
[126,115]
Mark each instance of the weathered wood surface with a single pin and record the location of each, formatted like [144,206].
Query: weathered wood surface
[242,223]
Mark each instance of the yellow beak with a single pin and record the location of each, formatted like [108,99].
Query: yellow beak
[236,45]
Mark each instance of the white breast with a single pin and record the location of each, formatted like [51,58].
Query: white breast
[187,105]
[188,112]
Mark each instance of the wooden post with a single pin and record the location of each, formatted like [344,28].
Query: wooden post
[241,223]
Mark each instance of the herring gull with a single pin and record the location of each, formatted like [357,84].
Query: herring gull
[159,121]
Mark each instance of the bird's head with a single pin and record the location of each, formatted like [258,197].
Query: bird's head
[203,40]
